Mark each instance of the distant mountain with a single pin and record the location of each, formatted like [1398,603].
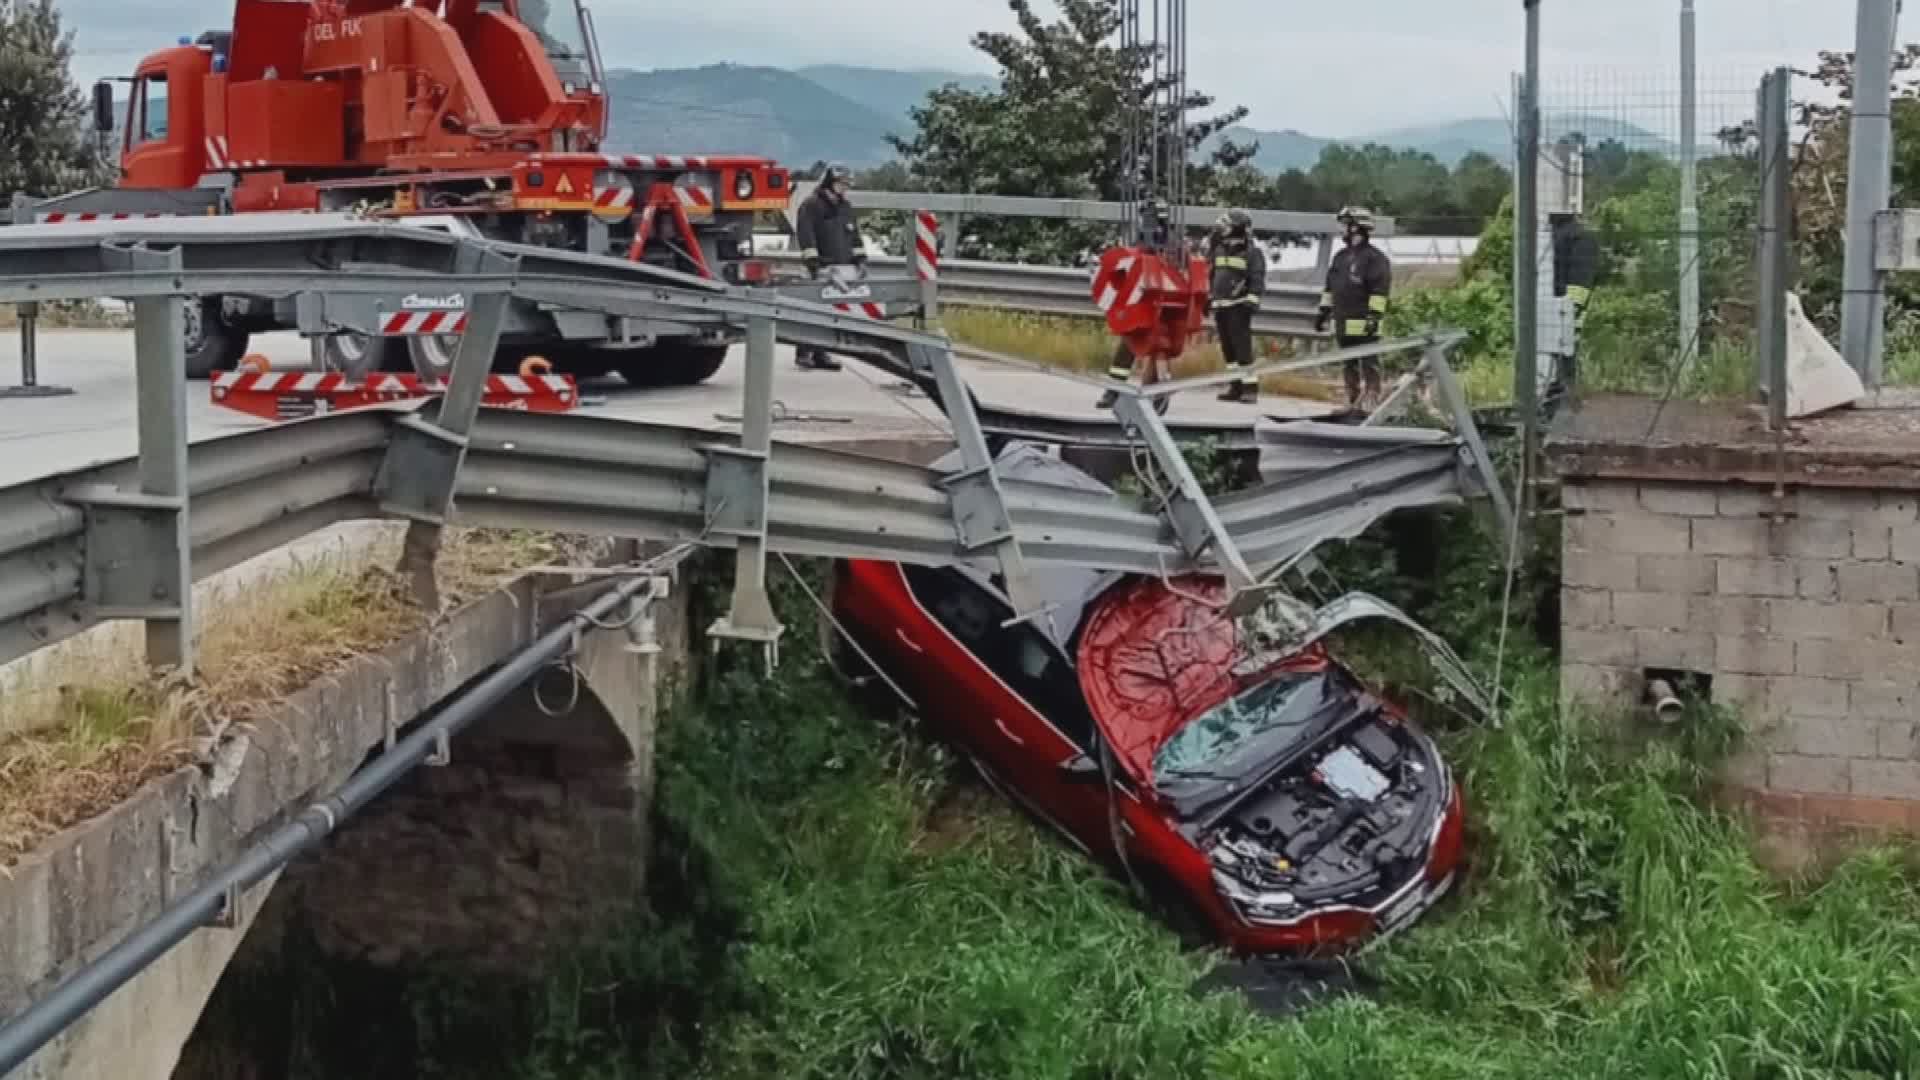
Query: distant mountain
[729,109]
[843,113]
[1448,142]
[891,93]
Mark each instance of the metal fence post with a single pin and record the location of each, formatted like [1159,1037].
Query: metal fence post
[1775,209]
[738,485]
[1526,248]
[1869,189]
[1689,191]
[160,379]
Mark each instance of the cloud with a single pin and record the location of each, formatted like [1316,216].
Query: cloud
[1296,66]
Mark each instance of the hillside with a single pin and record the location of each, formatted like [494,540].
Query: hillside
[731,109]
[845,113]
[890,93]
[1448,142]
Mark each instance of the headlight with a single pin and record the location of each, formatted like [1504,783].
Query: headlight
[743,186]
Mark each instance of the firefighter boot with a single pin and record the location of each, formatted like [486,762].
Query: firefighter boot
[816,360]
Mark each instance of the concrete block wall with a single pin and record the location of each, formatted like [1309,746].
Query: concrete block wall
[1809,623]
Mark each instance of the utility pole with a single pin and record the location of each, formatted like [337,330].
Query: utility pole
[1689,190]
[1869,188]
[1526,248]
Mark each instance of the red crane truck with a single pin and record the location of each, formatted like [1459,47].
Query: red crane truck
[484,117]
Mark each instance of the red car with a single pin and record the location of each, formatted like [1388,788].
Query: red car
[1266,801]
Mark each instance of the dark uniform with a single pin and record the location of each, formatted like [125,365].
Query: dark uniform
[1359,285]
[1239,271]
[829,234]
[1576,265]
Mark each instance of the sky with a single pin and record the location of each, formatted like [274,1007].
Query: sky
[1293,64]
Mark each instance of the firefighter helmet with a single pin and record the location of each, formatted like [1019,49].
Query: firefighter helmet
[1236,221]
[1357,216]
[837,174]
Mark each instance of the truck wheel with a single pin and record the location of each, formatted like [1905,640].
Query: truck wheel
[210,342]
[433,355]
[354,355]
[672,365]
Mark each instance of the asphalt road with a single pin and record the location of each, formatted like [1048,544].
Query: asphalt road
[95,424]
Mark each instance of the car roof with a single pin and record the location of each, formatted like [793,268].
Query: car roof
[1069,590]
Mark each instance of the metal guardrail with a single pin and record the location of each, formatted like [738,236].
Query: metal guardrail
[1288,310]
[126,541]
[1106,213]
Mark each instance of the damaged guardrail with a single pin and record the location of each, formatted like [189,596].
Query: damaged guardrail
[126,541]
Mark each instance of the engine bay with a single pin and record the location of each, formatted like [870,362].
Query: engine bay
[1350,822]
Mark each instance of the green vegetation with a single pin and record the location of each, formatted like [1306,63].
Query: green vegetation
[835,897]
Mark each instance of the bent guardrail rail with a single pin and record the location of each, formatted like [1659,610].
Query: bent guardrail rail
[127,540]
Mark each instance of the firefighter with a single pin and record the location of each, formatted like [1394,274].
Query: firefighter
[1239,280]
[1576,263]
[829,240]
[1359,284]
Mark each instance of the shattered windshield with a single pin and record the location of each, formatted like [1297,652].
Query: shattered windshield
[1240,732]
[558,25]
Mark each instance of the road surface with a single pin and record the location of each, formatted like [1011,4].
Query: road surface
[42,436]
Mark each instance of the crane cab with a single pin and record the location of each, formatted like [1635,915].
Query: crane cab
[164,131]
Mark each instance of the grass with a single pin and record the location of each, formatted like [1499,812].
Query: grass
[1614,923]
[833,897]
[70,315]
[97,725]
[1085,345]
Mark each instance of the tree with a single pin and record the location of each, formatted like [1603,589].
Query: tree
[1820,176]
[44,145]
[1056,125]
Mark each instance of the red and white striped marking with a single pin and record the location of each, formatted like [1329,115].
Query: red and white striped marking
[655,161]
[280,395]
[219,156]
[868,310]
[1107,283]
[695,197]
[279,382]
[926,231]
[414,323]
[59,218]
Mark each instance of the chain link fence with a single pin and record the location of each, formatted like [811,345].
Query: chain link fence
[1672,308]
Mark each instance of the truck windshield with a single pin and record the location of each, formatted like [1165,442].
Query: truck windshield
[558,25]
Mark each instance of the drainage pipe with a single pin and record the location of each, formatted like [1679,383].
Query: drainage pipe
[23,1035]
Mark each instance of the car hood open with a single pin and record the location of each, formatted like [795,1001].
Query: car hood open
[1154,657]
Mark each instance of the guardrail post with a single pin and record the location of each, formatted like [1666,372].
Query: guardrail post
[138,544]
[1455,398]
[417,478]
[737,488]
[980,513]
[1195,523]
[160,343]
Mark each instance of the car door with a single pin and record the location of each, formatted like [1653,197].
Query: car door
[1027,716]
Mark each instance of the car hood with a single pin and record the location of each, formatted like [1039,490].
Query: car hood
[1153,656]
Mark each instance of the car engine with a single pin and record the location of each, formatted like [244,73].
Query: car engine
[1348,823]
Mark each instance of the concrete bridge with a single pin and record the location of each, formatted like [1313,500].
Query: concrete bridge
[529,834]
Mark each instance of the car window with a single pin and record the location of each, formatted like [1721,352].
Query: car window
[1020,655]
